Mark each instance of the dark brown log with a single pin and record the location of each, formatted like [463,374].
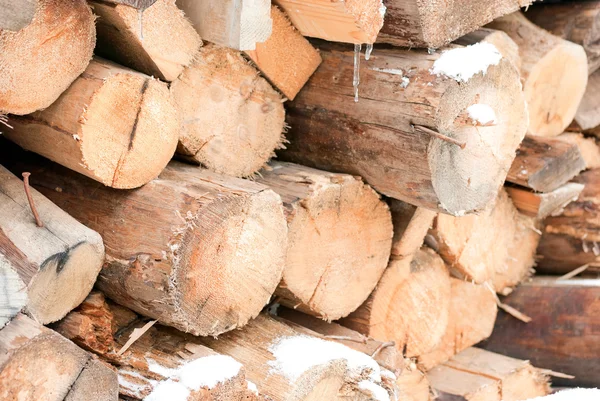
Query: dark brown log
[563,334]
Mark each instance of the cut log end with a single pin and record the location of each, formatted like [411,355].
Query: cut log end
[13,298]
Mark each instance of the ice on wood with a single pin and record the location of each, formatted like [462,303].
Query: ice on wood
[482,114]
[463,63]
[356,78]
[368,51]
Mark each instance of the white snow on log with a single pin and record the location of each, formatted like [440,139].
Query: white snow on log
[252,387]
[463,63]
[374,390]
[579,394]
[482,113]
[298,354]
[382,9]
[169,390]
[388,374]
[135,389]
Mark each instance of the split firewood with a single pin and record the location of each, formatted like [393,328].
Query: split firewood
[545,164]
[554,73]
[287,364]
[410,305]
[337,21]
[587,147]
[505,45]
[210,248]
[141,38]
[231,23]
[41,58]
[459,118]
[575,21]
[227,109]
[48,269]
[37,363]
[162,363]
[542,205]
[411,225]
[472,315]
[587,118]
[561,334]
[113,124]
[138,4]
[289,73]
[411,382]
[479,375]
[410,23]
[339,239]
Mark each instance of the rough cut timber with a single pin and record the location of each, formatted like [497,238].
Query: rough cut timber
[238,24]
[542,205]
[562,335]
[472,315]
[545,164]
[379,138]
[14,295]
[411,224]
[113,124]
[412,384]
[227,109]
[211,248]
[37,363]
[339,239]
[287,59]
[138,4]
[497,246]
[162,363]
[16,14]
[158,41]
[479,375]
[554,72]
[587,147]
[410,305]
[588,116]
[505,45]
[58,263]
[575,21]
[39,61]
[287,364]
[351,21]
[414,23]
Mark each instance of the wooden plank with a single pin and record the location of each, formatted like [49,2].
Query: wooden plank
[588,113]
[411,224]
[542,205]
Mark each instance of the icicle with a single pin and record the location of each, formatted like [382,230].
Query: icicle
[140,14]
[356,79]
[368,51]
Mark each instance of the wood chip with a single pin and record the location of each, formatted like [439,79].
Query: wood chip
[135,335]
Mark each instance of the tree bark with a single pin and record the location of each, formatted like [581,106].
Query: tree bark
[411,225]
[33,71]
[542,205]
[114,125]
[57,263]
[380,138]
[554,72]
[38,364]
[220,82]
[141,38]
[339,239]
[211,248]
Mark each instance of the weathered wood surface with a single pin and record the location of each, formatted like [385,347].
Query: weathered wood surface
[13,297]
[542,205]
[588,147]
[562,335]
[588,114]
[545,164]
[114,125]
[339,239]
[33,67]
[377,139]
[16,14]
[411,225]
[138,4]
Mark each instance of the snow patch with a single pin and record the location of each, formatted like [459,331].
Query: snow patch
[579,394]
[388,375]
[482,113]
[463,63]
[376,391]
[169,390]
[252,387]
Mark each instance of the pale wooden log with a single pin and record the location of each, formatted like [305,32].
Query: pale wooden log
[139,4]
[339,239]
[410,305]
[39,61]
[411,23]
[587,147]
[16,14]
[13,293]
[286,59]
[114,125]
[575,21]
[211,248]
[227,109]
[542,205]
[472,315]
[330,131]
[286,364]
[351,21]
[554,73]
[545,164]
[412,384]
[411,224]
[588,115]
[97,382]
[479,375]
[161,363]
[561,334]
[37,363]
[158,41]
[57,263]
[238,24]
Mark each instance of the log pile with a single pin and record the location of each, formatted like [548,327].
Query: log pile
[152,248]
